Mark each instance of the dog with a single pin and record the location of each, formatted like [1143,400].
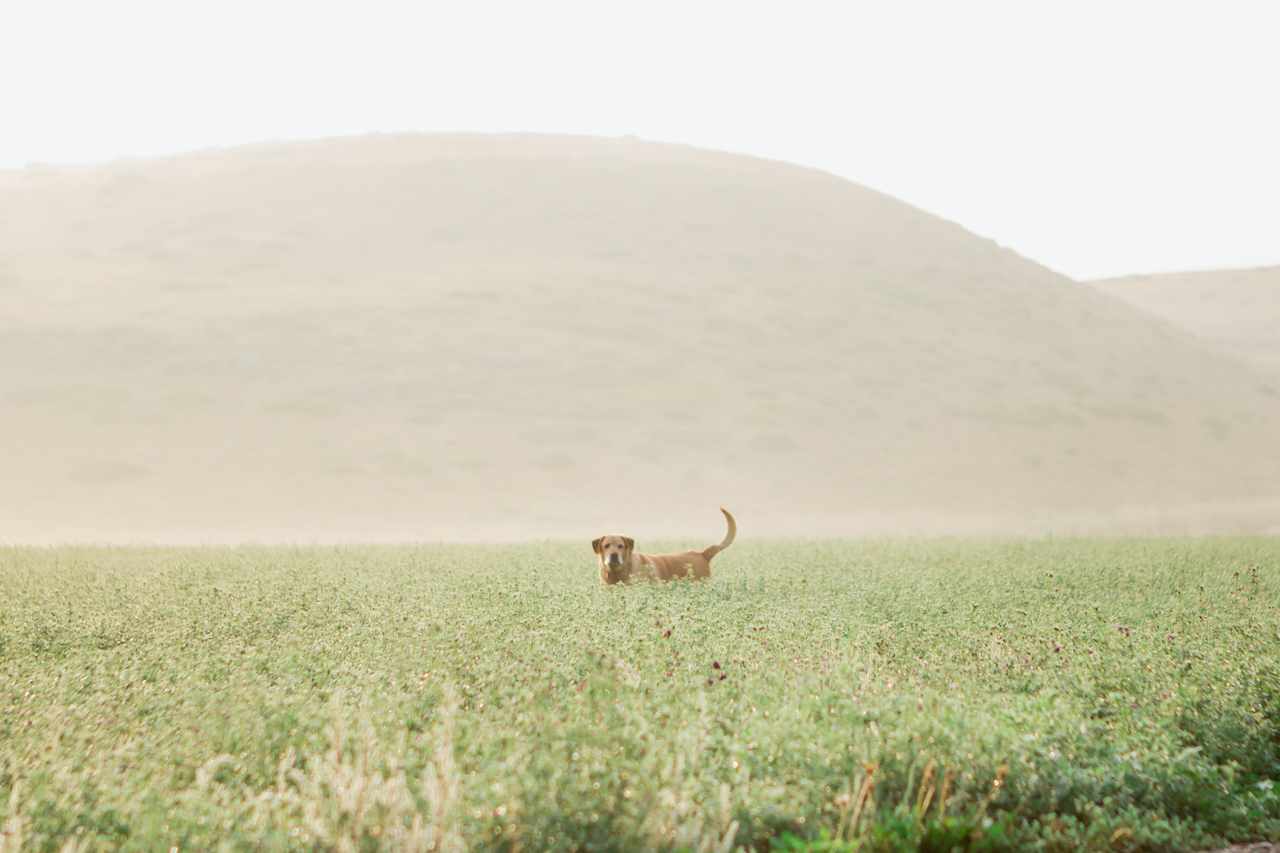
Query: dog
[619,562]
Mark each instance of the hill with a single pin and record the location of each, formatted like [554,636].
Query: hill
[1236,311]
[493,336]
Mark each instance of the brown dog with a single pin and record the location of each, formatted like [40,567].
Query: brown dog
[619,563]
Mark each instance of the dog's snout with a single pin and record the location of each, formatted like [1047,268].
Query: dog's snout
[615,559]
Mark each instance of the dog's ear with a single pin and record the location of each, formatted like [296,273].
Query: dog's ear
[629,542]
[595,544]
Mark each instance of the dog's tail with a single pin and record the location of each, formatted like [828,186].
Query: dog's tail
[711,551]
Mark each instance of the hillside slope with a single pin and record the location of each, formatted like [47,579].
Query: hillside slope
[1236,311]
[436,336]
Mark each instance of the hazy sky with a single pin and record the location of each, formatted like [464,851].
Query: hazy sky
[1096,137]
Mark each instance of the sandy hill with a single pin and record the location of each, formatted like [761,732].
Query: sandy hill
[1236,311]
[433,336]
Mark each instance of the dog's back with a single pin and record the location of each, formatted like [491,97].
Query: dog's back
[695,564]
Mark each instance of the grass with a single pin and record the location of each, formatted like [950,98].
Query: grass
[814,695]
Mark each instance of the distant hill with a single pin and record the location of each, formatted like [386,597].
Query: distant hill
[1236,311]
[496,336]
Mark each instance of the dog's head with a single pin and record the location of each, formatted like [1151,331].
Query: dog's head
[614,551]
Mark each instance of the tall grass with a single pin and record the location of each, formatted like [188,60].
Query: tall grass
[825,695]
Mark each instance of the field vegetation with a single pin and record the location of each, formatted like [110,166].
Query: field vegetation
[1049,694]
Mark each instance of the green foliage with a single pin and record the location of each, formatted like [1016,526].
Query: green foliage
[904,834]
[912,695]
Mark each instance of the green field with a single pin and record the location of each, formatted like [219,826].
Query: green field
[895,695]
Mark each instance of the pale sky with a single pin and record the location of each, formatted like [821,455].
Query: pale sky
[1098,138]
